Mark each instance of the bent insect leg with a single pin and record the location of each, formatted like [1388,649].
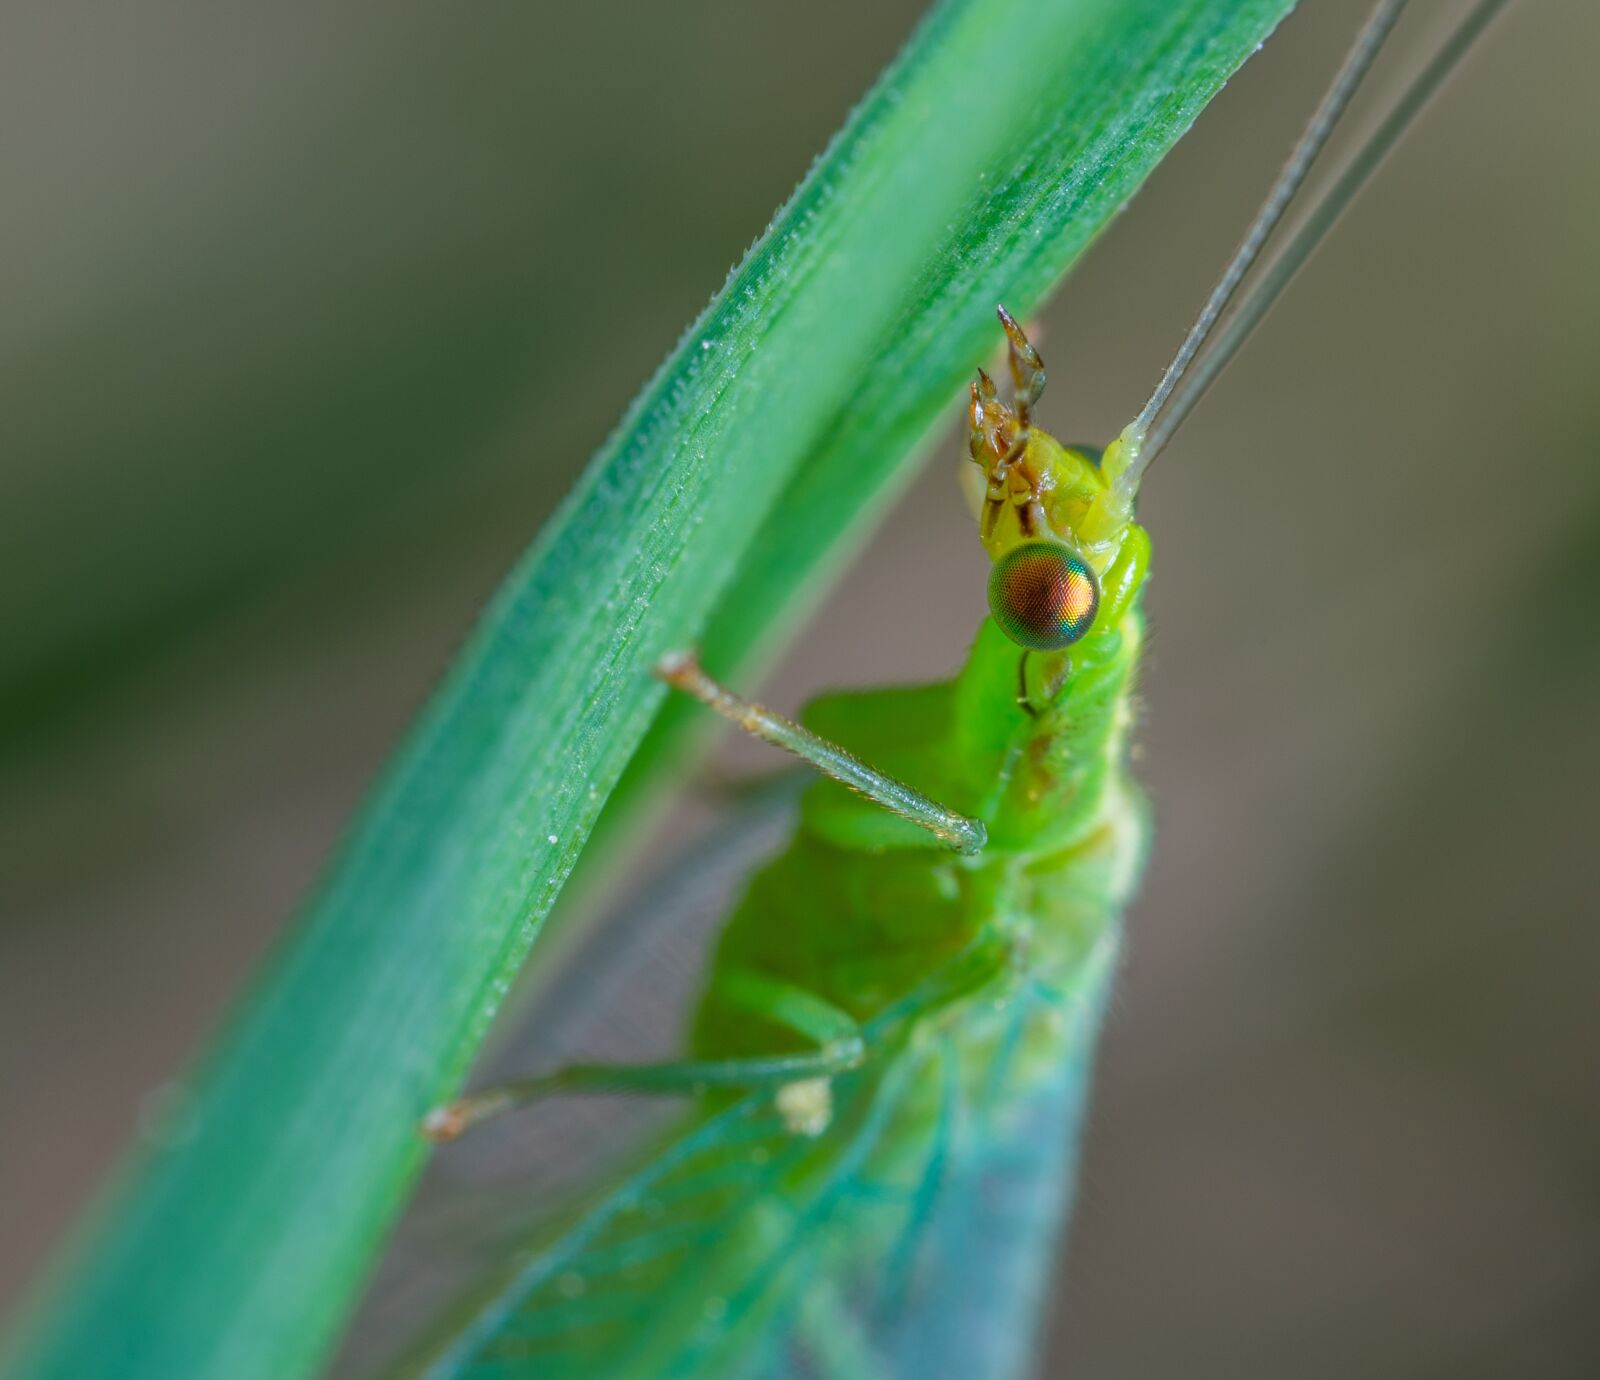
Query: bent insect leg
[801,1079]
[840,1047]
[683,1078]
[682,671]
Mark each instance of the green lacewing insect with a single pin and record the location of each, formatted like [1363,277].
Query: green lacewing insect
[887,1064]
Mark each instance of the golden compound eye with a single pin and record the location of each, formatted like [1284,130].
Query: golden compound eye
[1043,596]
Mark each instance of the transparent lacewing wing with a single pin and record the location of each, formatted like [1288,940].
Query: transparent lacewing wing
[763,1253]
[622,993]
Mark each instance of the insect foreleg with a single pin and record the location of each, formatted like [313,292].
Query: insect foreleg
[682,671]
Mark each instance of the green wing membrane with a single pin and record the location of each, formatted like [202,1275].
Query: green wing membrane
[741,1249]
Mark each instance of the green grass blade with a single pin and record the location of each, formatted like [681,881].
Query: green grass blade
[1001,140]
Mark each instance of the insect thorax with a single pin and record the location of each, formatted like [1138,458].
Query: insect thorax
[861,907]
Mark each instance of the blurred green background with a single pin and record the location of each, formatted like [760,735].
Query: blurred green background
[310,318]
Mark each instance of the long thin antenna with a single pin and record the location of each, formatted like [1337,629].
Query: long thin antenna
[1321,218]
[1356,65]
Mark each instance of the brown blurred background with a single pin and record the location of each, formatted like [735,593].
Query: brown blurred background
[310,318]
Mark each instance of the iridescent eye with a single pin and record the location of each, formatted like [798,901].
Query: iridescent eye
[1043,596]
